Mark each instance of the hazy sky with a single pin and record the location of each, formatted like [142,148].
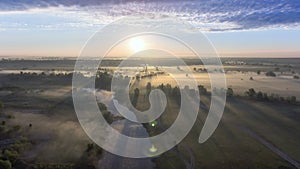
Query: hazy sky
[236,28]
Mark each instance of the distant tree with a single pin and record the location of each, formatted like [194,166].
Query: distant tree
[103,80]
[272,97]
[168,89]
[258,72]
[5,164]
[102,106]
[251,92]
[276,97]
[176,94]
[259,95]
[1,105]
[11,155]
[202,89]
[270,73]
[162,87]
[16,127]
[230,92]
[148,88]
[135,97]
[138,77]
[265,96]
[90,147]
[292,99]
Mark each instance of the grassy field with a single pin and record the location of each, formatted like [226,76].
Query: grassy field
[231,146]
[40,108]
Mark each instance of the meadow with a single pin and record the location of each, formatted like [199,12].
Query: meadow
[39,127]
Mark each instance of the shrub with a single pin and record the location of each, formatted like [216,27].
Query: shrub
[5,164]
[258,72]
[270,73]
[251,92]
[292,99]
[202,89]
[229,92]
[259,95]
[11,155]
[296,77]
[265,96]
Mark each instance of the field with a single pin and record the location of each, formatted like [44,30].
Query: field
[37,116]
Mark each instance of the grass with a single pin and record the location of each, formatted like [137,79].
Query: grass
[229,146]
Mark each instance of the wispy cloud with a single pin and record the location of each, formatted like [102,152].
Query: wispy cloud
[215,15]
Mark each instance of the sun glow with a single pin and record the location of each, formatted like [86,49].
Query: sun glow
[136,44]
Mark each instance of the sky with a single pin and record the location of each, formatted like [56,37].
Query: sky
[237,28]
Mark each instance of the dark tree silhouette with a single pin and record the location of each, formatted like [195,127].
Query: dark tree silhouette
[230,92]
[148,88]
[135,97]
[251,92]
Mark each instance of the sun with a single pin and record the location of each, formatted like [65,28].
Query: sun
[136,44]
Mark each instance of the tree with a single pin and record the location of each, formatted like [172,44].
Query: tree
[265,96]
[176,94]
[202,89]
[230,92]
[259,95]
[168,89]
[270,73]
[162,87]
[251,92]
[5,164]
[135,96]
[292,99]
[148,88]
[258,72]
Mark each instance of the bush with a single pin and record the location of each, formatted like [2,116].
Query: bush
[251,92]
[230,92]
[258,72]
[259,95]
[265,96]
[5,164]
[292,99]
[296,77]
[270,73]
[11,155]
[202,89]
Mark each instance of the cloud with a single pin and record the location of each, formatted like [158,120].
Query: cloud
[215,15]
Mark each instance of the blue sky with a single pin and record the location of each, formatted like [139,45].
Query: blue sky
[236,28]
